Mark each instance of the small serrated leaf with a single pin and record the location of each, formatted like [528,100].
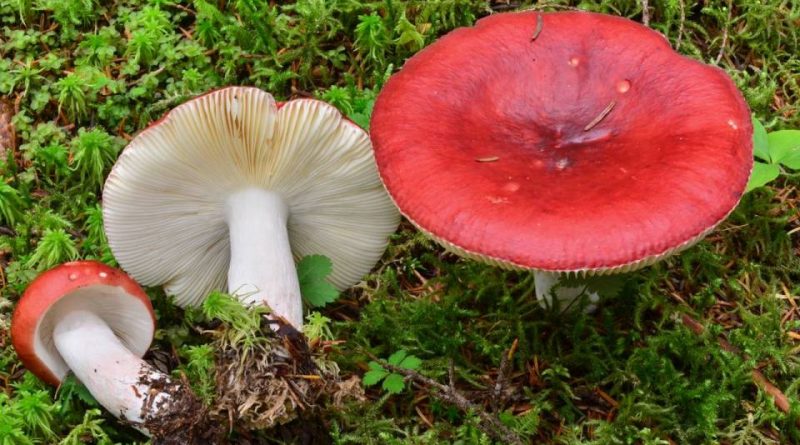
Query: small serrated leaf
[312,273]
[397,357]
[373,376]
[394,383]
[410,362]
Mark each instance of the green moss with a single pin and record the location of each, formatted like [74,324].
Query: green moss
[85,75]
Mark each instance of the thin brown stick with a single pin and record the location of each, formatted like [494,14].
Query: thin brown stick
[725,33]
[502,376]
[451,373]
[539,26]
[645,12]
[600,116]
[681,25]
[780,399]
[451,395]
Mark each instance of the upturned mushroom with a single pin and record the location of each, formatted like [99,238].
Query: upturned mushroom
[565,143]
[96,322]
[232,187]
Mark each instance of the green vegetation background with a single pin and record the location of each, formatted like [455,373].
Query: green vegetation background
[79,77]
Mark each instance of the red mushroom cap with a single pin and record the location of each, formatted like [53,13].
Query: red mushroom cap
[570,141]
[84,285]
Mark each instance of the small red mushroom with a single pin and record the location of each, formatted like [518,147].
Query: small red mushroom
[566,142]
[95,321]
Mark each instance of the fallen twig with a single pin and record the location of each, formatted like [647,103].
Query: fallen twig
[681,25]
[780,399]
[725,33]
[539,26]
[502,376]
[600,116]
[451,395]
[645,13]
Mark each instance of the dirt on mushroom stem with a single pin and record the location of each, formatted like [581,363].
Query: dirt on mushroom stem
[180,419]
[277,380]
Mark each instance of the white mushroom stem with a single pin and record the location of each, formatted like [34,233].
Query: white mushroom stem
[107,368]
[546,289]
[262,269]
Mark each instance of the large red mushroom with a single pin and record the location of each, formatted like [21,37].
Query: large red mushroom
[566,142]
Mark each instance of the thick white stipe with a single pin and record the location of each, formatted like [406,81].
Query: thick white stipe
[545,281]
[108,369]
[262,269]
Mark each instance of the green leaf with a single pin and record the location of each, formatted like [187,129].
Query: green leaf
[762,174]
[784,148]
[394,384]
[312,272]
[760,143]
[410,362]
[374,376]
[397,357]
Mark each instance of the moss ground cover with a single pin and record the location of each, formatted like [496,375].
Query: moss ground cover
[79,77]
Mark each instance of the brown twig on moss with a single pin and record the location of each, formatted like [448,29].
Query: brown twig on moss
[725,33]
[502,376]
[780,399]
[645,12]
[681,25]
[489,424]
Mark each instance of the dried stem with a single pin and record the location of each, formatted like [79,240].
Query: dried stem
[780,399]
[600,116]
[539,26]
[681,25]
[645,12]
[725,33]
[502,376]
[451,395]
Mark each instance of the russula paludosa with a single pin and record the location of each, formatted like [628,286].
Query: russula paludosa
[231,187]
[95,321]
[566,142]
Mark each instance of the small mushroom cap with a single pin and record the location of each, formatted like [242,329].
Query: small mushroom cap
[79,285]
[164,200]
[565,142]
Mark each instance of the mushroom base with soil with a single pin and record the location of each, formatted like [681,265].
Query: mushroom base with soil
[276,378]
[94,321]
[127,386]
